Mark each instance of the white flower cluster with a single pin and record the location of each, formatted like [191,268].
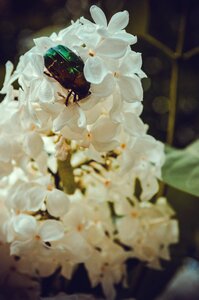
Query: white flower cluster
[69,169]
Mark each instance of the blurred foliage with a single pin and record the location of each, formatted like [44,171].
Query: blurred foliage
[181,169]
[168,39]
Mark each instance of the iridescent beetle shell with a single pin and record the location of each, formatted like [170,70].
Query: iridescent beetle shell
[67,68]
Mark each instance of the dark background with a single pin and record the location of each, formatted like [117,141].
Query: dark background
[168,39]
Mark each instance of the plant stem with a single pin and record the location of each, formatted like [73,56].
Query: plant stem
[157,44]
[190,53]
[65,172]
[173,101]
[173,91]
[174,79]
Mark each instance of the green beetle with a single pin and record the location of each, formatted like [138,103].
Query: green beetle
[67,68]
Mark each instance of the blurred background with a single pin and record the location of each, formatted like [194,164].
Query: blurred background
[168,38]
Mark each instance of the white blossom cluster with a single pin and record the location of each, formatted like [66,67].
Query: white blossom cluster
[102,139]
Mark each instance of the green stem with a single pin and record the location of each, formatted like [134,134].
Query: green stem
[173,91]
[157,44]
[65,172]
[194,51]
[174,79]
[173,101]
[172,114]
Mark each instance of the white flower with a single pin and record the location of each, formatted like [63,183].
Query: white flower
[25,234]
[106,267]
[125,76]
[106,142]
[109,65]
[102,135]
[150,229]
[32,196]
[7,81]
[115,27]
[112,45]
[145,163]
[71,118]
[57,203]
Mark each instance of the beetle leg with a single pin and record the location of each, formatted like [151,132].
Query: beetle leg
[68,97]
[75,97]
[48,74]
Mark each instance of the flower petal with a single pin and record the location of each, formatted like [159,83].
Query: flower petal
[130,225]
[82,118]
[45,91]
[63,118]
[134,125]
[131,88]
[95,70]
[51,230]
[5,149]
[5,168]
[150,187]
[43,43]
[98,15]
[119,21]
[131,64]
[93,154]
[33,144]
[25,225]
[35,197]
[78,246]
[57,203]
[105,147]
[112,48]
[130,39]
[115,112]
[105,88]
[7,81]
[104,130]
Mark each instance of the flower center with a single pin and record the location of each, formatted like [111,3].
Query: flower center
[91,53]
[123,145]
[116,74]
[37,237]
[89,135]
[50,187]
[32,127]
[134,214]
[107,182]
[80,227]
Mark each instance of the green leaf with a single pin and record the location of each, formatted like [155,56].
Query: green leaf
[181,169]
